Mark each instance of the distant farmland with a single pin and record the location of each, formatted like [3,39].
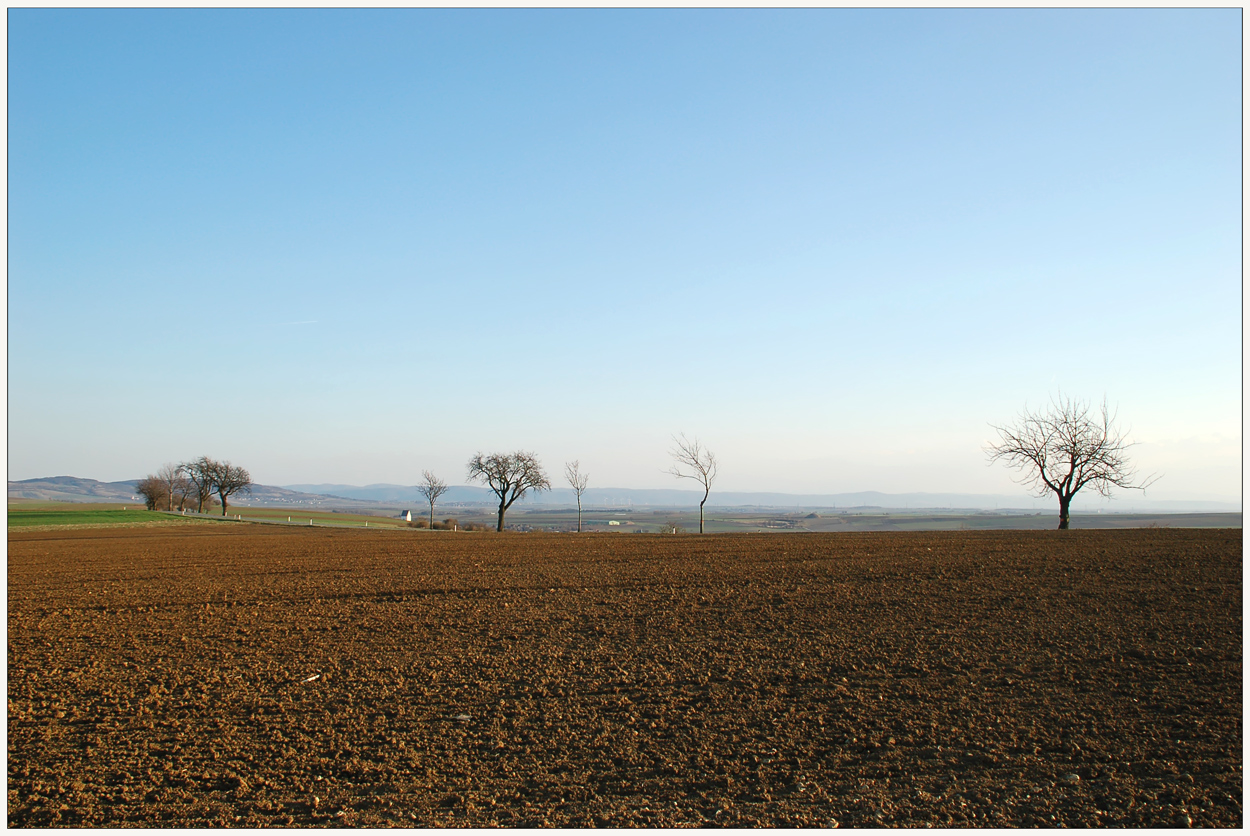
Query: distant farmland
[628,520]
[64,514]
[742,521]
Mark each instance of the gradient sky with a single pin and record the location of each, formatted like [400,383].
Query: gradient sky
[835,245]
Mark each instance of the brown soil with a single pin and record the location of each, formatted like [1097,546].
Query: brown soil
[250,676]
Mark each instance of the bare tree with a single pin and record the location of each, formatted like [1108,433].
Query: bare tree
[183,494]
[153,491]
[579,481]
[510,476]
[177,486]
[1064,448]
[229,480]
[431,489]
[693,461]
[200,473]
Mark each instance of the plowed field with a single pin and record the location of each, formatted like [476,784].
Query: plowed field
[241,675]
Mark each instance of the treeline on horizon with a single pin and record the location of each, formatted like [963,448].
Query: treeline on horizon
[1057,450]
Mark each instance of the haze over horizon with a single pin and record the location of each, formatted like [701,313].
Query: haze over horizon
[341,246]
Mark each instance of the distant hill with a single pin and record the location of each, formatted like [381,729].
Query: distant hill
[395,493]
[76,489]
[73,489]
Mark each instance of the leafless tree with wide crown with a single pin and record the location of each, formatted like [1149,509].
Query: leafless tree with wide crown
[229,480]
[153,491]
[579,481]
[691,460]
[1065,447]
[432,488]
[207,477]
[510,476]
[199,473]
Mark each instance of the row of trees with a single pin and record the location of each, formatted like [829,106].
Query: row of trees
[179,486]
[510,476]
[1060,449]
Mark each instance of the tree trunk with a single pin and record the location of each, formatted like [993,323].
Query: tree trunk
[1064,502]
[223,503]
[701,515]
[579,513]
[502,508]
[431,516]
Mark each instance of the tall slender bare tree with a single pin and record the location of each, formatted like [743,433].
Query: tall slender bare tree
[1065,447]
[432,488]
[579,481]
[510,476]
[177,486]
[691,460]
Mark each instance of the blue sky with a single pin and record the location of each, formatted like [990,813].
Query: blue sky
[338,246]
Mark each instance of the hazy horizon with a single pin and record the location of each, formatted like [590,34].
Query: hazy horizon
[611,494]
[836,245]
